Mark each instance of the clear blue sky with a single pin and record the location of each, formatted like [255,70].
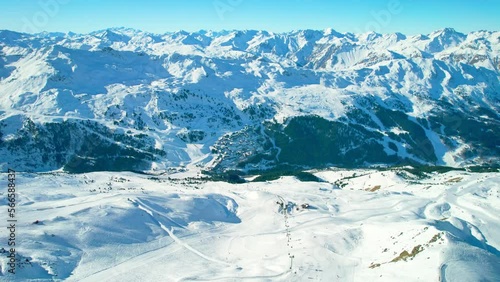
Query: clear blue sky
[159,16]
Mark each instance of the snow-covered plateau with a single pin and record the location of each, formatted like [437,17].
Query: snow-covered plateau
[356,225]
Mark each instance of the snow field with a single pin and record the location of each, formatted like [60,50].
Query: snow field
[359,225]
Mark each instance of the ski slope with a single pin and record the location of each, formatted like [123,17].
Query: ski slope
[361,225]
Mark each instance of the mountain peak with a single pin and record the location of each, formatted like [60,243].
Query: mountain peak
[443,39]
[369,36]
[331,32]
[448,31]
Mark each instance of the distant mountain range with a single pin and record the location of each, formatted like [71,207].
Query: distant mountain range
[122,99]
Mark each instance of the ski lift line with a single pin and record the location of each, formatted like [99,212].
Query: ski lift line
[284,207]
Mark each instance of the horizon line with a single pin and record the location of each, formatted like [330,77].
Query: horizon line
[330,29]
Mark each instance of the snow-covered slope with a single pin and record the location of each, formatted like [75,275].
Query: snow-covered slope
[359,225]
[121,99]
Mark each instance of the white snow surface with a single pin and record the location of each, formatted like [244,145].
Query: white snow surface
[129,227]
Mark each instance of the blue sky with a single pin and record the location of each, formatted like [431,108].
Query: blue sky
[159,16]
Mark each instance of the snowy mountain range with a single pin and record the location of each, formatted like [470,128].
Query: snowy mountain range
[180,104]
[123,99]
